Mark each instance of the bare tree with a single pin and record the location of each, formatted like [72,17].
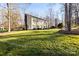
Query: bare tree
[51,13]
[24,12]
[13,17]
[68,14]
[9,29]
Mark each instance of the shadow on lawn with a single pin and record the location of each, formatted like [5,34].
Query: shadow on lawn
[23,35]
[32,46]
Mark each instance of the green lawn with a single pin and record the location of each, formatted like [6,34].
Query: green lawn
[38,42]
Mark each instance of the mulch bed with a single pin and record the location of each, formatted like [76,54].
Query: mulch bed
[73,32]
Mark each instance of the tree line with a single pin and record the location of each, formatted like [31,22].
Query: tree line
[12,17]
[71,15]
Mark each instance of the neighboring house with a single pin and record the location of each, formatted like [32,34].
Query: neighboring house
[33,22]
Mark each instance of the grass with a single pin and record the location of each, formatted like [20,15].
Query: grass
[38,43]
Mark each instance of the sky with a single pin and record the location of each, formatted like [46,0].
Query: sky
[40,9]
[37,9]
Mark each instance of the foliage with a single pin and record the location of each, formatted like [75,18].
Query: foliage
[5,30]
[52,27]
[60,25]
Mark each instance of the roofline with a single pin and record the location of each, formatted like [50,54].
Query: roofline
[35,16]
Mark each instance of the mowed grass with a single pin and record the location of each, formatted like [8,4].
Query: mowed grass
[38,43]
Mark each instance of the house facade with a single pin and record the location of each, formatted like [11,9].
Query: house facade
[33,22]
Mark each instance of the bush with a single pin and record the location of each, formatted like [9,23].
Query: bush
[34,28]
[38,28]
[18,29]
[60,25]
[5,30]
[52,27]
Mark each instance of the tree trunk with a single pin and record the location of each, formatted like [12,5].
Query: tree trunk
[76,14]
[68,14]
[9,28]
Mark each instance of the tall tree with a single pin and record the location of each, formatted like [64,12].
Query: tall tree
[68,15]
[51,14]
[13,16]
[9,29]
[75,13]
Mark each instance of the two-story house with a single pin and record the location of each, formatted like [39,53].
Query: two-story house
[33,22]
